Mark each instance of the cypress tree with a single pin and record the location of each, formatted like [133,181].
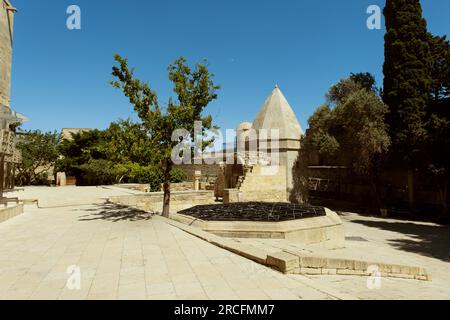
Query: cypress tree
[407,77]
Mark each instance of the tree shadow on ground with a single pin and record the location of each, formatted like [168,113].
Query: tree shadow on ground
[429,241]
[116,212]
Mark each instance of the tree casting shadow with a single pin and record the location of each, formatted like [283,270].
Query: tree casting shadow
[115,212]
[430,241]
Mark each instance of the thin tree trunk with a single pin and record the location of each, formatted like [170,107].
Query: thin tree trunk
[166,189]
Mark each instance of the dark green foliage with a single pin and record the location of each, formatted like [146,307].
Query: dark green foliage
[80,150]
[351,132]
[178,175]
[126,142]
[119,154]
[194,90]
[365,80]
[407,76]
[95,172]
[342,90]
[437,144]
[440,90]
[39,153]
[416,89]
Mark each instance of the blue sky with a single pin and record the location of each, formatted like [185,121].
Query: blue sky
[60,77]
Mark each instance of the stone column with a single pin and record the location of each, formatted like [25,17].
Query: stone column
[197,176]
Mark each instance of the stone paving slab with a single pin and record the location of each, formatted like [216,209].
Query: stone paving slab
[297,258]
[127,259]
[379,240]
[119,250]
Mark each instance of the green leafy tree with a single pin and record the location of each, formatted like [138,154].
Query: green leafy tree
[80,149]
[352,131]
[39,154]
[194,89]
[121,153]
[440,89]
[437,146]
[407,75]
[342,90]
[127,142]
[407,83]
[437,164]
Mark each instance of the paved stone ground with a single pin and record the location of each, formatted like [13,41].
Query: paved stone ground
[386,240]
[126,254]
[408,242]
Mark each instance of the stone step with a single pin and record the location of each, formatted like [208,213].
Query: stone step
[295,262]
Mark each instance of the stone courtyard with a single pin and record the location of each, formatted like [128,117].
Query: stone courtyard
[126,253]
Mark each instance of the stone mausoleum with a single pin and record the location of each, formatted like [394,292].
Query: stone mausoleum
[254,176]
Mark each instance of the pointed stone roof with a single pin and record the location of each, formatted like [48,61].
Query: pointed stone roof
[278,114]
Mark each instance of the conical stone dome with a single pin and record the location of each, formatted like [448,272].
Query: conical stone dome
[278,114]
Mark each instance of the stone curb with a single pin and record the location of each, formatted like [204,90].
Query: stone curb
[289,262]
[10,212]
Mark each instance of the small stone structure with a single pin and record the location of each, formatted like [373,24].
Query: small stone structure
[252,177]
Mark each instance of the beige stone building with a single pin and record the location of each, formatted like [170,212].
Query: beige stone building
[255,176]
[6,42]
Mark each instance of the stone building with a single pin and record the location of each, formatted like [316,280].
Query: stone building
[254,176]
[278,114]
[6,41]
[10,156]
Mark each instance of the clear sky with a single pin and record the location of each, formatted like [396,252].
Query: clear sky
[60,77]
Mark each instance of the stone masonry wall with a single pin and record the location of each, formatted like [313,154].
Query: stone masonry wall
[153,202]
[6,31]
[258,186]
[208,171]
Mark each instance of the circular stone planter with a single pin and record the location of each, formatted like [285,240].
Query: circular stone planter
[323,228]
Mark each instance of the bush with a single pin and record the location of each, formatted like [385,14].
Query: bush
[104,172]
[178,175]
[149,174]
[96,172]
[153,175]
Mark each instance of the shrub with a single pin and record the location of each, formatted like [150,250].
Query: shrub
[178,175]
[96,172]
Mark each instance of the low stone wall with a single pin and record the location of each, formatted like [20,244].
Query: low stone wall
[260,185]
[153,202]
[209,171]
[296,263]
[325,231]
[10,212]
[263,185]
